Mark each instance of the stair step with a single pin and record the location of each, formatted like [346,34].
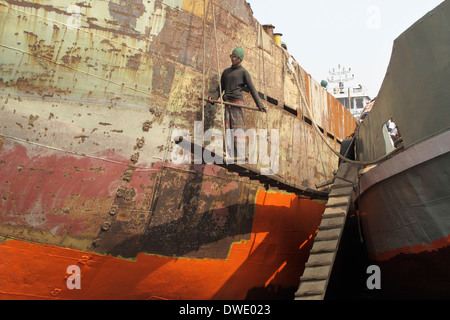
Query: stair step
[324,246]
[320,259]
[328,234]
[311,288]
[341,192]
[341,201]
[316,273]
[343,181]
[342,186]
[334,212]
[312,297]
[332,223]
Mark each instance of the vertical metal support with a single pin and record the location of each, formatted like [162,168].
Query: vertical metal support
[204,67]
[220,82]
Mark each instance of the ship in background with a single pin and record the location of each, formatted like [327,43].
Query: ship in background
[404,201]
[354,98]
[91,94]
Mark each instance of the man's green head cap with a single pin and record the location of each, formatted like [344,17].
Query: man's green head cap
[239,51]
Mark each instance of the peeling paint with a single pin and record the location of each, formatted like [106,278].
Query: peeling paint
[86,117]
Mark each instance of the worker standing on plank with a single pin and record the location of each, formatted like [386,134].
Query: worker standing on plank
[233,81]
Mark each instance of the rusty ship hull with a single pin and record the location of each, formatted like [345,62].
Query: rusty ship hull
[404,201]
[90,97]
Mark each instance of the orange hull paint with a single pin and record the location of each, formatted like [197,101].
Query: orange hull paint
[272,261]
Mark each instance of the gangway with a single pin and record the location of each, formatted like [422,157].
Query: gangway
[315,278]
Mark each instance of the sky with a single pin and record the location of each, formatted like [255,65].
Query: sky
[356,34]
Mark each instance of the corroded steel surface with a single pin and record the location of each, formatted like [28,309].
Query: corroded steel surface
[91,94]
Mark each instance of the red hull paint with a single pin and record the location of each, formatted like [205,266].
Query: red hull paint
[424,274]
[419,248]
[41,190]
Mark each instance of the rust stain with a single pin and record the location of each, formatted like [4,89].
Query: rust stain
[134,61]
[140,142]
[70,60]
[31,120]
[128,174]
[135,158]
[37,6]
[82,138]
[31,87]
[146,56]
[2,141]
[147,126]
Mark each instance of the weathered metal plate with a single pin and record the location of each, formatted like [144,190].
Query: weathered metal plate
[90,96]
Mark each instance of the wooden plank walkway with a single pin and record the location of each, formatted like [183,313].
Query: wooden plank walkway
[274,180]
[314,281]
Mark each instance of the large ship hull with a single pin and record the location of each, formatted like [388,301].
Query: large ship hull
[404,202]
[93,97]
